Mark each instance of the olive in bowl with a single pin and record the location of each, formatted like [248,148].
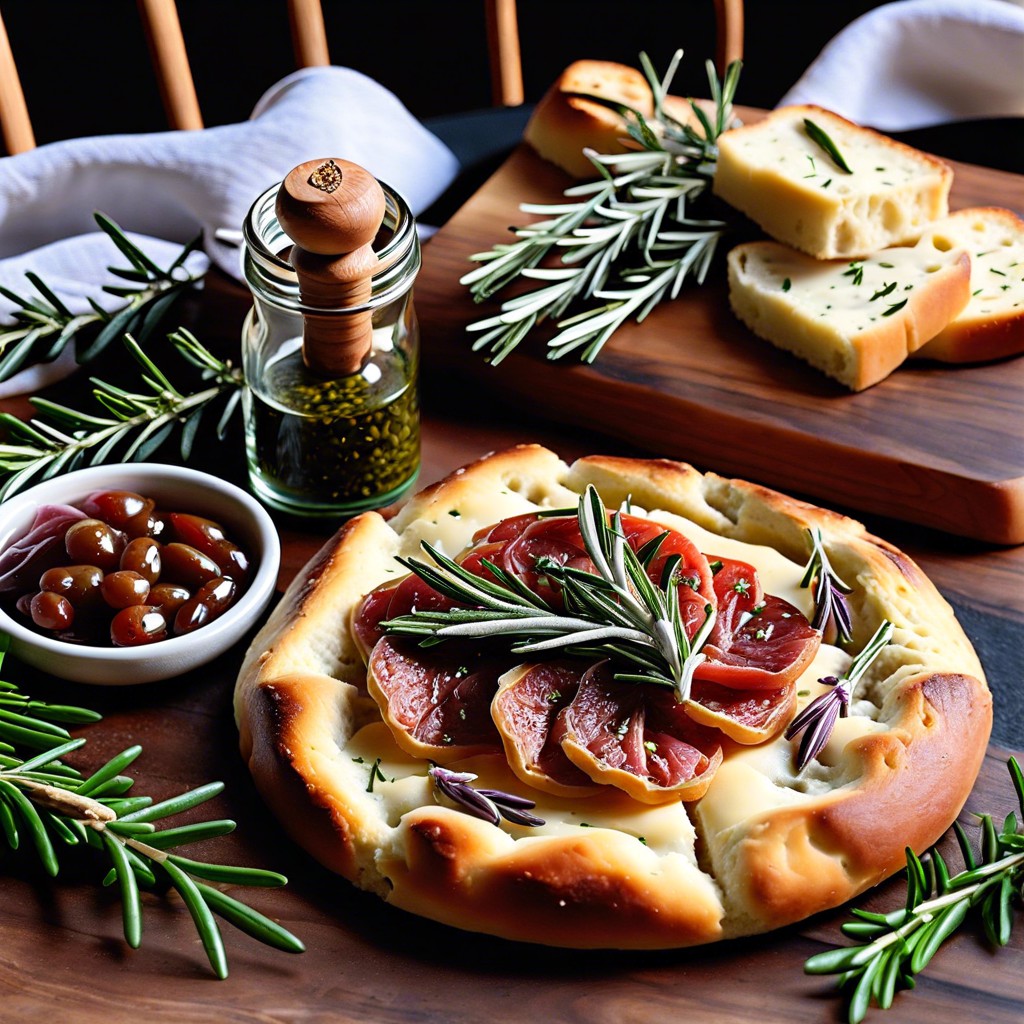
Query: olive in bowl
[128,574]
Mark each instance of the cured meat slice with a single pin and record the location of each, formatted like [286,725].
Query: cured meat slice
[764,651]
[637,738]
[738,591]
[39,549]
[529,711]
[746,716]
[436,702]
[532,543]
[388,602]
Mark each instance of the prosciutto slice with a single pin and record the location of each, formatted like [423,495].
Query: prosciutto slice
[638,738]
[565,725]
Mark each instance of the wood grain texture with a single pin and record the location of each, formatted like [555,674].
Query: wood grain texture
[937,446]
[62,955]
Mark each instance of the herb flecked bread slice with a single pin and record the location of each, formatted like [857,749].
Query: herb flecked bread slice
[991,326]
[787,179]
[854,320]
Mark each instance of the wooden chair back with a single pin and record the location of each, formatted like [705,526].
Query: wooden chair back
[309,42]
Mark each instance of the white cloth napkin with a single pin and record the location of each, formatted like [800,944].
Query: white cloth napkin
[918,63]
[172,185]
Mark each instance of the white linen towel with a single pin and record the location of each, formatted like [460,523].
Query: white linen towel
[173,185]
[918,63]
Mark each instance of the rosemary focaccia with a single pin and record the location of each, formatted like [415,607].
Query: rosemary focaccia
[667,763]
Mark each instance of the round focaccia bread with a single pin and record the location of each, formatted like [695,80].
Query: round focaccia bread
[766,845]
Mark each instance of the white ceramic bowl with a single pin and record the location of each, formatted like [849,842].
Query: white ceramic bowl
[175,489]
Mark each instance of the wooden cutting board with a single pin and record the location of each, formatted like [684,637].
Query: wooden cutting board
[932,445]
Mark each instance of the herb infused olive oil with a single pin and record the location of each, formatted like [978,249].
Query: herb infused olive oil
[331,345]
[351,442]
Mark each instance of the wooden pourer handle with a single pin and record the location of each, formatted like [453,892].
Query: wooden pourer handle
[332,210]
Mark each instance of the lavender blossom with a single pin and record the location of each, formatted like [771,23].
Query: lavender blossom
[818,719]
[830,604]
[489,804]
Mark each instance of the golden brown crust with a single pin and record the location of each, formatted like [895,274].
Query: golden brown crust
[563,125]
[606,871]
[554,890]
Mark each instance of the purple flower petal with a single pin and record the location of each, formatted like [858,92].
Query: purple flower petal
[508,799]
[489,804]
[518,817]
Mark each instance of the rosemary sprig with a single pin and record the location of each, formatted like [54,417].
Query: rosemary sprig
[617,613]
[900,944]
[817,720]
[830,607]
[139,422]
[628,240]
[46,802]
[43,325]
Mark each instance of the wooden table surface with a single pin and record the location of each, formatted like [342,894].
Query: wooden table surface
[62,955]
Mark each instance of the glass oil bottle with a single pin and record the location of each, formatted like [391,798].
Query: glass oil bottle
[331,357]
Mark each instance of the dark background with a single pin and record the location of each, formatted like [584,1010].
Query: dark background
[85,66]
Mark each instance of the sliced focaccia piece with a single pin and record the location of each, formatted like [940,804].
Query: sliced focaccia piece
[564,122]
[856,320]
[832,189]
[991,326]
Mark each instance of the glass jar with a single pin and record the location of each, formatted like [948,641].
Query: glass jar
[321,446]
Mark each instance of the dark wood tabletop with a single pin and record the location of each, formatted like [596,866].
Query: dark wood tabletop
[62,955]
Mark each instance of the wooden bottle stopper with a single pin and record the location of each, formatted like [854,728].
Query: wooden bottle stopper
[332,210]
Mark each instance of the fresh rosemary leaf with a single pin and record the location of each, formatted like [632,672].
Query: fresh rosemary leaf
[167,838]
[63,829]
[820,137]
[37,724]
[66,713]
[176,804]
[631,243]
[227,873]
[130,828]
[249,921]
[131,911]
[110,770]
[201,917]
[966,850]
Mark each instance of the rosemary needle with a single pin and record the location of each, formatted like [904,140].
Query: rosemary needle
[900,944]
[50,804]
[42,325]
[627,240]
